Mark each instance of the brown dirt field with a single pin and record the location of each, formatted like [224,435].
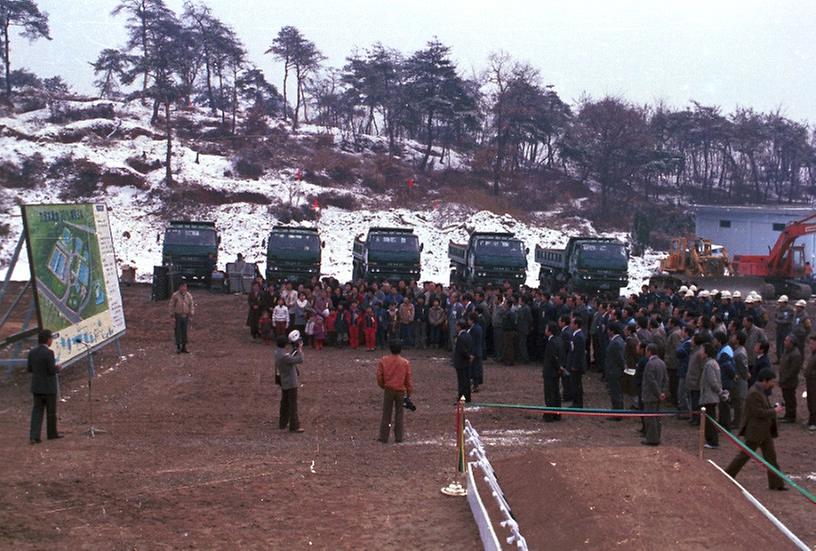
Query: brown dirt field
[193,457]
[647,499]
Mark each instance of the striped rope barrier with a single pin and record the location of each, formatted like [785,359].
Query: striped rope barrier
[585,412]
[753,455]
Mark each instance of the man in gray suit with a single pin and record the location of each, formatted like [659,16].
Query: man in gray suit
[43,369]
[286,368]
[653,391]
[615,364]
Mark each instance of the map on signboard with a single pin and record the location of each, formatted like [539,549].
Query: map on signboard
[72,260]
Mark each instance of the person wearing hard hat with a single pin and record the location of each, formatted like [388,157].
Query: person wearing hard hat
[726,308]
[756,311]
[739,306]
[784,323]
[287,376]
[801,325]
[706,306]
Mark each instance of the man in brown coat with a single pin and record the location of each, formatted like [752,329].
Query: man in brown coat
[810,383]
[394,377]
[789,367]
[759,428]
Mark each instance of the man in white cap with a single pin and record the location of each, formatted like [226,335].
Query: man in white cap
[784,322]
[287,377]
[801,325]
[739,306]
[726,309]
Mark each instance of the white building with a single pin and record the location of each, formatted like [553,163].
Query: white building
[750,230]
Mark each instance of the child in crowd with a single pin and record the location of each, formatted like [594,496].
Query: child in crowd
[318,331]
[280,317]
[331,329]
[266,328]
[341,326]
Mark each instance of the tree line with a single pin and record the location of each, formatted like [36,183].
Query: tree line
[508,122]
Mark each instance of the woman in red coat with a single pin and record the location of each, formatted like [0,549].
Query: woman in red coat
[368,326]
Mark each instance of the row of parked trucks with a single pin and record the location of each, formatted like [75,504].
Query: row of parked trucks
[586,264]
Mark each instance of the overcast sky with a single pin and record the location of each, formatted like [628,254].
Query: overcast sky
[729,53]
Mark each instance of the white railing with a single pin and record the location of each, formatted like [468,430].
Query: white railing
[479,458]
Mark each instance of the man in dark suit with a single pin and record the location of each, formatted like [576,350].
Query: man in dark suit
[654,388]
[759,428]
[43,369]
[552,370]
[463,359]
[476,337]
[615,364]
[577,361]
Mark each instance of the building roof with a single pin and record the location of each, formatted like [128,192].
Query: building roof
[792,210]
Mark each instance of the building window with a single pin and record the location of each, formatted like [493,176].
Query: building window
[778,226]
[725,223]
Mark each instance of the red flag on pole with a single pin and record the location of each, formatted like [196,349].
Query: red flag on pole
[315,205]
[298,175]
[410,183]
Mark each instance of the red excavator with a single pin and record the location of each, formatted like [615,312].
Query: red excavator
[784,269]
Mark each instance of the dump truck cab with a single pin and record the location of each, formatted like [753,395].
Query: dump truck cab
[293,254]
[190,249]
[488,258]
[387,254]
[586,264]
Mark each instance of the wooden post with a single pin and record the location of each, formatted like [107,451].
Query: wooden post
[701,439]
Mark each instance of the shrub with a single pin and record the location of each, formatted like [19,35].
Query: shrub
[343,201]
[96,111]
[84,182]
[142,165]
[248,168]
[287,214]
[27,175]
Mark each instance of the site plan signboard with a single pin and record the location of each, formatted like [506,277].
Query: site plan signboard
[73,268]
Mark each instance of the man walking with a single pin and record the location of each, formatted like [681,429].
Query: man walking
[759,428]
[654,387]
[462,360]
[43,369]
[477,339]
[394,377]
[182,309]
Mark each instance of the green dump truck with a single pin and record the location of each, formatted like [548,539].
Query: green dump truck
[387,254]
[190,249]
[488,258]
[293,254]
[587,264]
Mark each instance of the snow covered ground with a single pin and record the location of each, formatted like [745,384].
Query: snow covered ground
[137,221]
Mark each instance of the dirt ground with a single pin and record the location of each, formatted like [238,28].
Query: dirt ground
[193,457]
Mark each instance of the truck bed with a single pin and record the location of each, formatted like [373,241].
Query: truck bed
[555,258]
[457,252]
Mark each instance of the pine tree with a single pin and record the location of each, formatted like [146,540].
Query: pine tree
[32,22]
[109,67]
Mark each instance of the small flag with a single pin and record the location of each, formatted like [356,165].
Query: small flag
[298,175]
[410,183]
[437,204]
[315,205]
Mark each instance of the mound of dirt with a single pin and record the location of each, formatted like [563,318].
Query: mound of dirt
[629,498]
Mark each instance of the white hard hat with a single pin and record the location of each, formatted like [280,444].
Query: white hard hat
[682,289]
[703,294]
[749,299]
[736,294]
[725,295]
[714,292]
[801,303]
[693,288]
[294,336]
[783,298]
[689,294]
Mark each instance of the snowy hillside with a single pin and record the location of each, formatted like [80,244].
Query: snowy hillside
[139,213]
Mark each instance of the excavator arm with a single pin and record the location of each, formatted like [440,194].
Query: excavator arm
[778,255]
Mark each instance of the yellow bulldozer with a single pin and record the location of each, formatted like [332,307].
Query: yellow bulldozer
[697,257]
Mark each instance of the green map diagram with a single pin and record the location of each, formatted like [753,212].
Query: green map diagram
[66,263]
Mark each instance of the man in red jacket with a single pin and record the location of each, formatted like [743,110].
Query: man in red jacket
[394,377]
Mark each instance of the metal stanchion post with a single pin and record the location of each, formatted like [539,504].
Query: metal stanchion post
[455,488]
[701,437]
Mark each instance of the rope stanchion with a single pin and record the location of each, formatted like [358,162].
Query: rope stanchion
[701,433]
[455,488]
[761,460]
